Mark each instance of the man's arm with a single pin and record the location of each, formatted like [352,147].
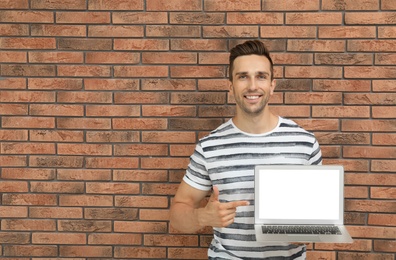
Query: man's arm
[187,216]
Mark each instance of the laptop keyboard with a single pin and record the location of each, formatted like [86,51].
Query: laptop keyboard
[322,230]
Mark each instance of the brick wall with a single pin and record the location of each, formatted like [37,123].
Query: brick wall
[102,102]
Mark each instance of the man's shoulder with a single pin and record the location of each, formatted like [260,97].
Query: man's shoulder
[225,128]
[289,124]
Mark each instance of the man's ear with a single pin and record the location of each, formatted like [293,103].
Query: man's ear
[273,85]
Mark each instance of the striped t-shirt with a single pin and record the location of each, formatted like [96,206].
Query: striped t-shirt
[226,158]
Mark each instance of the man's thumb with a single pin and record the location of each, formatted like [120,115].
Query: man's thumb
[215,194]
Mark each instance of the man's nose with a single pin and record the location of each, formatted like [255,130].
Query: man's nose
[252,84]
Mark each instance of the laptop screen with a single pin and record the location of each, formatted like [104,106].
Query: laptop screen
[299,194]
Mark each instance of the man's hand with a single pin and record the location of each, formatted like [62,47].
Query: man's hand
[217,214]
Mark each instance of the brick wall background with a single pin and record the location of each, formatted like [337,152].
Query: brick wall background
[102,102]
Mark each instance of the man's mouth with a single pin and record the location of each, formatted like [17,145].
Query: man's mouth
[252,97]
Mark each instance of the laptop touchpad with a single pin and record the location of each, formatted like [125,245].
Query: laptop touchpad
[302,238]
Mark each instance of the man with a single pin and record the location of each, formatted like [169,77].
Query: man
[224,162]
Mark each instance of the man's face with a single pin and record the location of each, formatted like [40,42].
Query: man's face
[252,85]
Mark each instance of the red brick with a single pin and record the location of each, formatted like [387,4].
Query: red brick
[164,163]
[141,149]
[198,44]
[30,250]
[56,161]
[112,57]
[29,199]
[368,125]
[154,214]
[171,240]
[85,251]
[140,252]
[141,97]
[56,135]
[173,31]
[14,238]
[384,85]
[356,192]
[141,201]
[83,123]
[51,238]
[377,179]
[83,174]
[382,219]
[349,5]
[168,137]
[112,188]
[291,111]
[12,4]
[28,174]
[54,84]
[13,109]
[386,32]
[28,224]
[176,5]
[314,18]
[84,149]
[13,57]
[383,139]
[141,71]
[384,111]
[364,256]
[55,57]
[140,123]
[216,111]
[84,225]
[316,45]
[84,70]
[27,16]
[159,189]
[198,98]
[213,5]
[187,253]
[115,31]
[370,45]
[58,4]
[254,18]
[197,71]
[112,162]
[354,165]
[169,58]
[347,32]
[169,111]
[58,30]
[111,213]
[341,111]
[13,135]
[383,193]
[342,85]
[115,4]
[313,72]
[388,5]
[343,59]
[84,44]
[83,17]
[14,30]
[27,43]
[168,84]
[13,212]
[25,70]
[140,175]
[55,212]
[115,239]
[372,206]
[12,83]
[375,18]
[372,232]
[313,98]
[357,245]
[26,96]
[56,110]
[113,110]
[342,138]
[28,122]
[385,246]
[13,186]
[230,31]
[290,5]
[141,44]
[369,152]
[27,148]
[112,137]
[111,84]
[85,200]
[140,227]
[288,31]
[385,59]
[140,18]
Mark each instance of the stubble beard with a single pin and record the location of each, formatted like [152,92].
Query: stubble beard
[252,111]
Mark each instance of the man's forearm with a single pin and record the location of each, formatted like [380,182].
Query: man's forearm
[185,218]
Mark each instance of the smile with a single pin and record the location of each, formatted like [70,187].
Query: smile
[253,97]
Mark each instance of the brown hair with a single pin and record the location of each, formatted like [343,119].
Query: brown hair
[250,47]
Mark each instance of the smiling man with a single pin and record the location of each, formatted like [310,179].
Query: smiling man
[223,162]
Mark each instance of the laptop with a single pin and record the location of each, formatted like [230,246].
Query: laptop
[300,203]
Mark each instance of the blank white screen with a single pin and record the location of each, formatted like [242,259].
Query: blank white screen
[299,194]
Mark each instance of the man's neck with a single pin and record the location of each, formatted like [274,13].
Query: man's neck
[259,124]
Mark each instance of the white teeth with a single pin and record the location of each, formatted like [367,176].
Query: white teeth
[252,97]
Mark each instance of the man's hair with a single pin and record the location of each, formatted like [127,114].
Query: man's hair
[250,47]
